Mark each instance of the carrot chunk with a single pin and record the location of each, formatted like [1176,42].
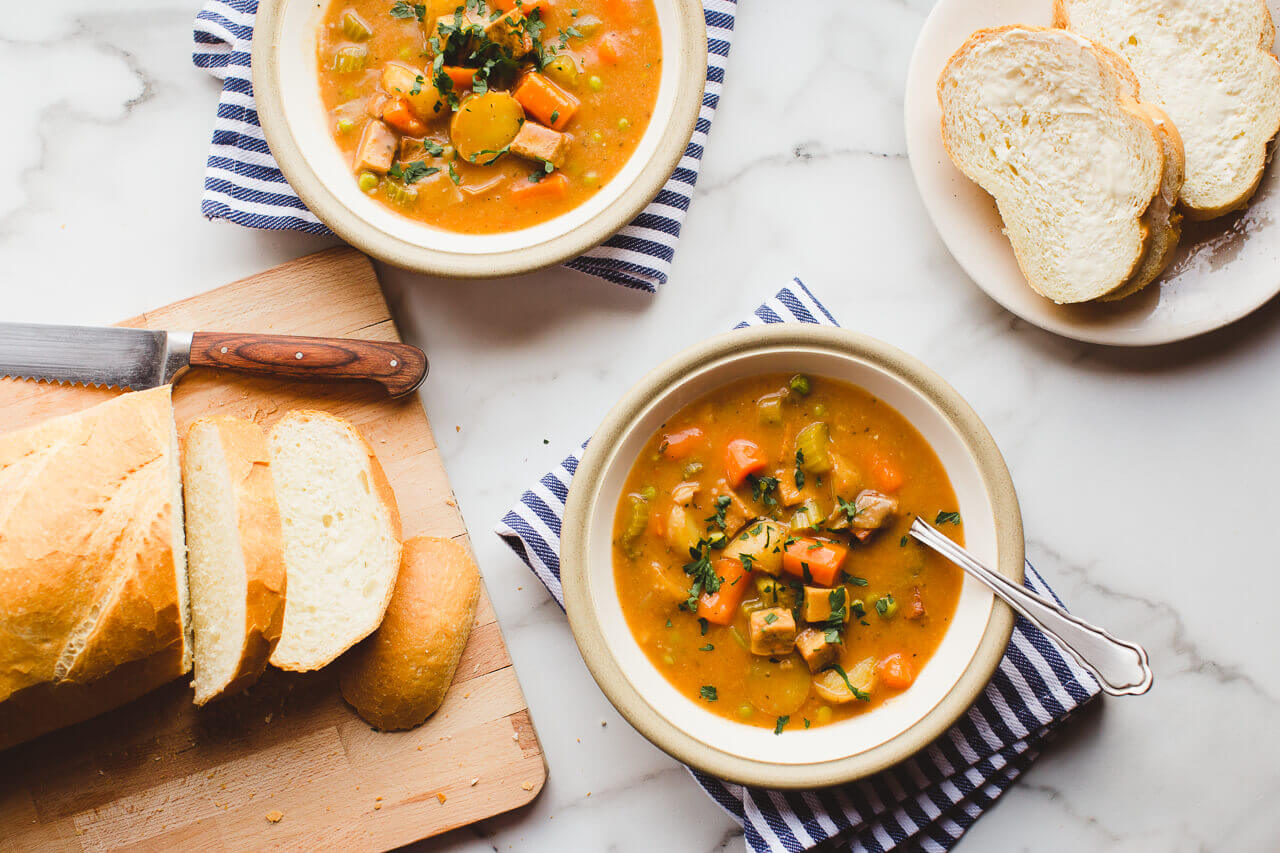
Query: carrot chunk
[396,113]
[608,51]
[886,475]
[680,444]
[821,559]
[545,101]
[463,78]
[719,607]
[553,186]
[742,457]
[896,671]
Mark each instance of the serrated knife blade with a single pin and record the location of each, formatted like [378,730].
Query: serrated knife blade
[91,355]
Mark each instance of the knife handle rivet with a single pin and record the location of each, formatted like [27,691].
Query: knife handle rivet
[394,363]
[224,350]
[297,355]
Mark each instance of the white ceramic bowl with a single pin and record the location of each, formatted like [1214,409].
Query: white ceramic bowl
[884,735]
[296,127]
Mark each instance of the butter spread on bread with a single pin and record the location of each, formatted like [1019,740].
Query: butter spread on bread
[235,554]
[1047,123]
[341,537]
[398,677]
[1208,64]
[93,570]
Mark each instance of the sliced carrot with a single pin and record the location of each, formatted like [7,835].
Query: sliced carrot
[719,607]
[678,445]
[896,671]
[551,187]
[463,78]
[396,113]
[886,475]
[821,559]
[545,101]
[742,457]
[608,50]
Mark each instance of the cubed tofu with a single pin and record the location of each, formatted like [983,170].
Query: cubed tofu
[814,648]
[772,632]
[510,32]
[872,509]
[830,685]
[817,603]
[760,544]
[541,143]
[376,149]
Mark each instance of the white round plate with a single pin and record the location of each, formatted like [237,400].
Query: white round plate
[1223,269]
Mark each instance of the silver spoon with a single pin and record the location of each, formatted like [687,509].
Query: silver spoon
[1121,667]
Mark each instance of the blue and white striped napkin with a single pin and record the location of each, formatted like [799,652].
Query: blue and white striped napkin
[924,803]
[243,184]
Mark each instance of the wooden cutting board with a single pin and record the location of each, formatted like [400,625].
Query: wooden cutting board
[160,774]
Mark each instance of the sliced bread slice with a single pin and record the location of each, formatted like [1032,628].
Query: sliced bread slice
[1044,122]
[1208,65]
[341,537]
[234,554]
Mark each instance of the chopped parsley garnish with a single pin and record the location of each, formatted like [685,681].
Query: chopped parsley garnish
[721,504]
[902,543]
[850,508]
[944,517]
[836,601]
[799,471]
[405,11]
[858,694]
[770,618]
[708,692]
[748,561]
[703,624]
[494,153]
[781,724]
[416,89]
[704,576]
[762,488]
[884,603]
[707,648]
[413,172]
[668,623]
[806,722]
[845,577]
[453,174]
[555,116]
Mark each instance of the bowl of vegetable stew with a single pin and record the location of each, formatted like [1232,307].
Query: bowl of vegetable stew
[736,568]
[478,138]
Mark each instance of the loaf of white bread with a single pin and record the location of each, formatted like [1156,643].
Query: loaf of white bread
[294,546]
[1084,174]
[93,573]
[1209,65]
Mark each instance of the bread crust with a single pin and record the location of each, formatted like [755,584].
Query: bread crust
[244,444]
[88,559]
[382,490]
[398,677]
[1193,209]
[1125,83]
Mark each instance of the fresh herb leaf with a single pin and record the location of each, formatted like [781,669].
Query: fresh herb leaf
[806,722]
[781,724]
[707,648]
[555,116]
[413,172]
[668,623]
[453,174]
[708,692]
[799,471]
[944,517]
[416,89]
[902,543]
[404,10]
[703,624]
[883,603]
[858,694]
[770,618]
[762,488]
[850,508]
[721,505]
[748,561]
[845,577]
[704,576]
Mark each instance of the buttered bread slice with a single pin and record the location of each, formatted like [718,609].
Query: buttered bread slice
[1209,65]
[1047,123]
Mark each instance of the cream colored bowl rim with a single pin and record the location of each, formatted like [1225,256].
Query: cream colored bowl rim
[585,495]
[686,41]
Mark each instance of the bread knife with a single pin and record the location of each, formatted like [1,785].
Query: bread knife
[143,358]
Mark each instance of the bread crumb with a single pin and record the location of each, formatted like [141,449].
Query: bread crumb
[441,797]
[528,786]
[419,747]
[475,781]
[377,806]
[451,502]
[275,817]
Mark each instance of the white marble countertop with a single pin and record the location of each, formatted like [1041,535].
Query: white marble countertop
[1141,473]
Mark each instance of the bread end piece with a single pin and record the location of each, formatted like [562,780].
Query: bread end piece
[399,676]
[236,559]
[342,537]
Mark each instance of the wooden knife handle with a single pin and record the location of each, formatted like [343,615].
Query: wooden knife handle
[400,368]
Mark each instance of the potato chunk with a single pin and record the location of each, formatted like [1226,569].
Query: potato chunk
[831,686]
[377,147]
[772,632]
[760,544]
[541,143]
[814,648]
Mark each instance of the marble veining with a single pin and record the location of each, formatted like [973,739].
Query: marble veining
[1145,477]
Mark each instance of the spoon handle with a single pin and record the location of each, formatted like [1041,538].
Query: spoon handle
[1121,667]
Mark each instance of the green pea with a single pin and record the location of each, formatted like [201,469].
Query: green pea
[624,124]
[368,181]
[595,83]
[819,411]
[886,606]
[596,136]
[345,125]
[668,660]
[649,493]
[745,711]
[800,384]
